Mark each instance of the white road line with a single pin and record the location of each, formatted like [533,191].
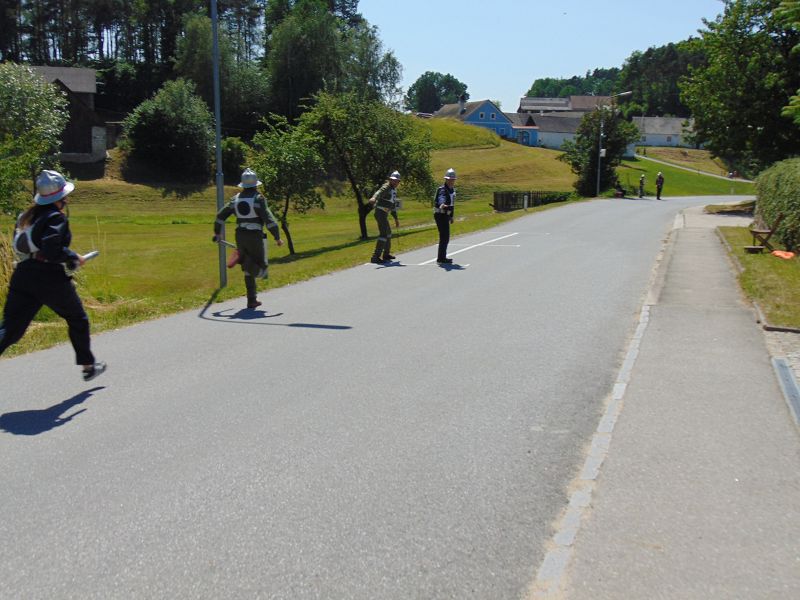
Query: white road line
[470,247]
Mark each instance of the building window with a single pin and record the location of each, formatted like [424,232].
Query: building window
[643,138]
[502,133]
[493,116]
[482,116]
[669,138]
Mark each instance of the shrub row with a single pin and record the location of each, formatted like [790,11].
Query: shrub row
[779,194]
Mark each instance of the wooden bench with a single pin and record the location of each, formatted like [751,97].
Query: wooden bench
[761,236]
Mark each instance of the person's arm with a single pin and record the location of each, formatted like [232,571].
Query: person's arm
[222,216]
[268,218]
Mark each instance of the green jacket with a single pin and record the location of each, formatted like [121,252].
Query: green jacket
[251,212]
[386,199]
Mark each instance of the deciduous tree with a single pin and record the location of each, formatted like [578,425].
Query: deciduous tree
[582,154]
[433,90]
[736,98]
[288,162]
[364,141]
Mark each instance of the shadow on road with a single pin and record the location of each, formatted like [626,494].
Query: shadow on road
[248,316]
[34,422]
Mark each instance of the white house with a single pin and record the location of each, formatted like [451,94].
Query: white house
[664,131]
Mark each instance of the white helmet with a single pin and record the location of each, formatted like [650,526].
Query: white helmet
[450,174]
[249,179]
[395,175]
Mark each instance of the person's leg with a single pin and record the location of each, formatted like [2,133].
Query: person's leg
[19,311]
[443,225]
[382,219]
[251,249]
[60,296]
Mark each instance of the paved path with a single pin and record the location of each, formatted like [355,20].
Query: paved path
[698,495]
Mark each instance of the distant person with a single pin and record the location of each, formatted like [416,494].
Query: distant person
[443,211]
[641,186]
[41,243]
[252,215]
[659,185]
[386,203]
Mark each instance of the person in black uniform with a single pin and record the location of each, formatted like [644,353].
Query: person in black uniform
[41,243]
[252,215]
[443,210]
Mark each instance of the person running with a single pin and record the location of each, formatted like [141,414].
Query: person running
[41,244]
[252,215]
[443,211]
[386,203]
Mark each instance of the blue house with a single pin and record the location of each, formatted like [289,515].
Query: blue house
[484,113]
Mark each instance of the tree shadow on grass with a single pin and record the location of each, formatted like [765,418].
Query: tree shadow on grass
[34,422]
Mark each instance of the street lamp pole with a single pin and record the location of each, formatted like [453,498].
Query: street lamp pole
[223,274]
[600,141]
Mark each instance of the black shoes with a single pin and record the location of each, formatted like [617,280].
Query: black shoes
[388,257]
[253,304]
[377,260]
[445,261]
[93,371]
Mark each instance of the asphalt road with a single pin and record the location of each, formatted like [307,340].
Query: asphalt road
[406,431]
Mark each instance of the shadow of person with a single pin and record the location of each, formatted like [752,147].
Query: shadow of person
[245,314]
[451,267]
[34,422]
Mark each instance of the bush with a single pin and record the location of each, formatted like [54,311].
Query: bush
[779,193]
[173,130]
[234,156]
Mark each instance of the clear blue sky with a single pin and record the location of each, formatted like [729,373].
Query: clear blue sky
[499,47]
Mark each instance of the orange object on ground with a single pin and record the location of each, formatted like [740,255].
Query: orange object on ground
[782,254]
[234,258]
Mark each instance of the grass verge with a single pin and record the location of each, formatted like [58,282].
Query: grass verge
[771,281]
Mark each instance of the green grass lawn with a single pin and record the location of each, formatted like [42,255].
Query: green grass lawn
[772,282]
[677,182]
[690,158]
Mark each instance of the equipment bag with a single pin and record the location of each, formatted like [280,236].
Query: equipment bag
[23,244]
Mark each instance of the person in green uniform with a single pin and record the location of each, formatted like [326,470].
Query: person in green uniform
[252,215]
[386,203]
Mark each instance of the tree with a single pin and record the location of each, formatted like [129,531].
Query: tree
[244,89]
[736,98]
[582,154]
[433,90]
[600,82]
[33,114]
[287,161]
[305,55]
[653,77]
[789,13]
[369,71]
[364,141]
[173,130]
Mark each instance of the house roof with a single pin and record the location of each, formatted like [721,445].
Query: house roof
[520,119]
[662,125]
[454,110]
[573,103]
[530,104]
[587,103]
[78,80]
[557,123]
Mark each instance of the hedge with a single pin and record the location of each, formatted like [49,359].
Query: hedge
[778,191]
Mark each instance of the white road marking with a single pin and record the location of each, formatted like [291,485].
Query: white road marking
[471,247]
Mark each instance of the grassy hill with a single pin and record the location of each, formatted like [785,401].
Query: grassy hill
[157,257]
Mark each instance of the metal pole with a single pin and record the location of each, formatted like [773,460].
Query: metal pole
[223,273]
[599,152]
